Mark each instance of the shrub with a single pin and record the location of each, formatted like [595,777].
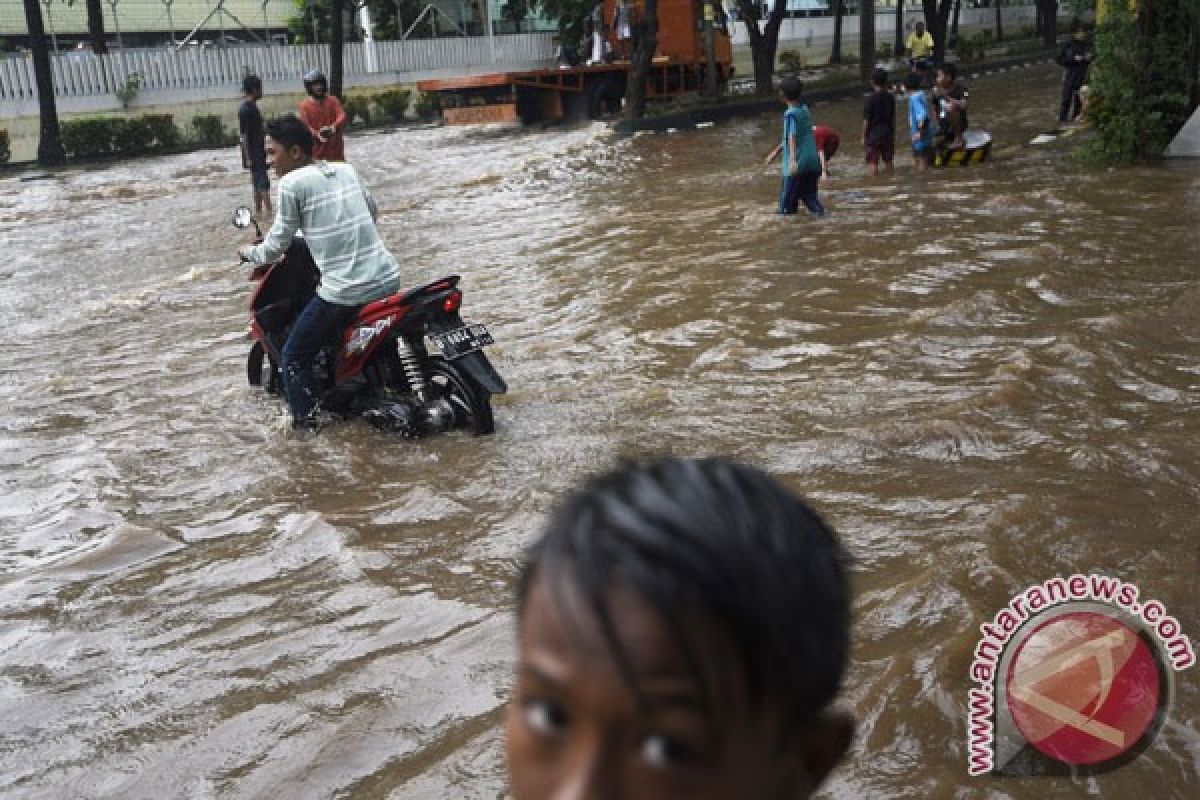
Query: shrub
[166,133]
[428,105]
[1139,81]
[393,104]
[357,106]
[5,152]
[129,91]
[89,137]
[210,131]
[132,136]
[792,60]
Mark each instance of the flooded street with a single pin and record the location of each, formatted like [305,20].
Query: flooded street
[984,377]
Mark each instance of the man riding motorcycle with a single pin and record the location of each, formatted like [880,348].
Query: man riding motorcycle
[336,214]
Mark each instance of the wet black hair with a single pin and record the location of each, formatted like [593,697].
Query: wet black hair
[251,83]
[290,131]
[950,68]
[912,81]
[791,89]
[879,77]
[714,547]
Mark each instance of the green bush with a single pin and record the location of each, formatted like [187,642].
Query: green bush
[5,152]
[133,136]
[393,104]
[89,137]
[428,105]
[792,60]
[357,106]
[166,133]
[1139,82]
[210,131]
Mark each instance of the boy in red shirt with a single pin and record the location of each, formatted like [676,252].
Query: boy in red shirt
[323,114]
[827,144]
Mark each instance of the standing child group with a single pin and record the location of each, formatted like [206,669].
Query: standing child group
[806,149]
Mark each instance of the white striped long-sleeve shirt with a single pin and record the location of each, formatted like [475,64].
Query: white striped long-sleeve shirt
[329,203]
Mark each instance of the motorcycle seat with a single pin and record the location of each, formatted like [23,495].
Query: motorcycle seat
[410,297]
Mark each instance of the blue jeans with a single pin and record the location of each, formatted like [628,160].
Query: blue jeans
[319,324]
[798,187]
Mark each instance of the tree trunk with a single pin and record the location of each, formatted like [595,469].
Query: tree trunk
[898,46]
[835,56]
[1047,12]
[337,42]
[643,58]
[866,38]
[999,22]
[764,43]
[937,14]
[95,23]
[954,27]
[50,150]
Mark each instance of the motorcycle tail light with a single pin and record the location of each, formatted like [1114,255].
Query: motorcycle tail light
[452,302]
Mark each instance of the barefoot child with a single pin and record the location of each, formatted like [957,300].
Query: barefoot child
[920,122]
[682,631]
[879,123]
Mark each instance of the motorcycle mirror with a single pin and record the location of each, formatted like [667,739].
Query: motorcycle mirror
[242,217]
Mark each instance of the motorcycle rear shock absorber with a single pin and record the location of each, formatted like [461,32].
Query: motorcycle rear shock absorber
[412,370]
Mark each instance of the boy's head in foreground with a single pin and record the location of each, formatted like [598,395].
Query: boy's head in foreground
[790,90]
[682,629]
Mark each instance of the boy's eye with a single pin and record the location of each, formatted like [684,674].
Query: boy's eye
[545,717]
[661,750]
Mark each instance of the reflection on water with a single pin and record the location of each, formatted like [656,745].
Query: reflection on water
[984,377]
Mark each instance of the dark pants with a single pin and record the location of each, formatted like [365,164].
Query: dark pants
[800,187]
[318,325]
[1070,97]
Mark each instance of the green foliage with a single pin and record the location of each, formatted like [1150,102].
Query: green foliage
[973,48]
[89,138]
[167,135]
[357,106]
[393,104]
[792,60]
[210,131]
[428,105]
[132,136]
[1139,83]
[5,150]
[129,90]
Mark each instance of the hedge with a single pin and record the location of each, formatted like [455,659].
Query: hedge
[97,137]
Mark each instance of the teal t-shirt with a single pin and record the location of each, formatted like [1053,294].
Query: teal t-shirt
[797,122]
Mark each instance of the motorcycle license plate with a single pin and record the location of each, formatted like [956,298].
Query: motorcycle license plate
[461,341]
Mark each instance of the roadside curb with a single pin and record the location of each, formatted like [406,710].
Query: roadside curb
[693,118]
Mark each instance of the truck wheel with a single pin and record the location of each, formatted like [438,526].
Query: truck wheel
[604,97]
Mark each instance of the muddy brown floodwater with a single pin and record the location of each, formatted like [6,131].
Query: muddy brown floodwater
[984,377]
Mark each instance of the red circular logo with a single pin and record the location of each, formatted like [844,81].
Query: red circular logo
[1083,688]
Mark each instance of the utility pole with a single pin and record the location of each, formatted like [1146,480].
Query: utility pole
[710,50]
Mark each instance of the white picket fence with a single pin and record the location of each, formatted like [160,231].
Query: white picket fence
[79,74]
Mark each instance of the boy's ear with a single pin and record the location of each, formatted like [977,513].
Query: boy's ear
[823,744]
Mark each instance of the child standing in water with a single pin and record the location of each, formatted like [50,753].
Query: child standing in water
[801,164]
[879,123]
[920,122]
[683,627]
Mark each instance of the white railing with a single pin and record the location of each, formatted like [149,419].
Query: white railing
[79,74]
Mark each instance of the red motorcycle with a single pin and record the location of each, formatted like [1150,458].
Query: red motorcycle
[408,363]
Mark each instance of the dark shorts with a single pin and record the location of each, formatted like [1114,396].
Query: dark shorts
[881,151]
[259,179]
[923,154]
